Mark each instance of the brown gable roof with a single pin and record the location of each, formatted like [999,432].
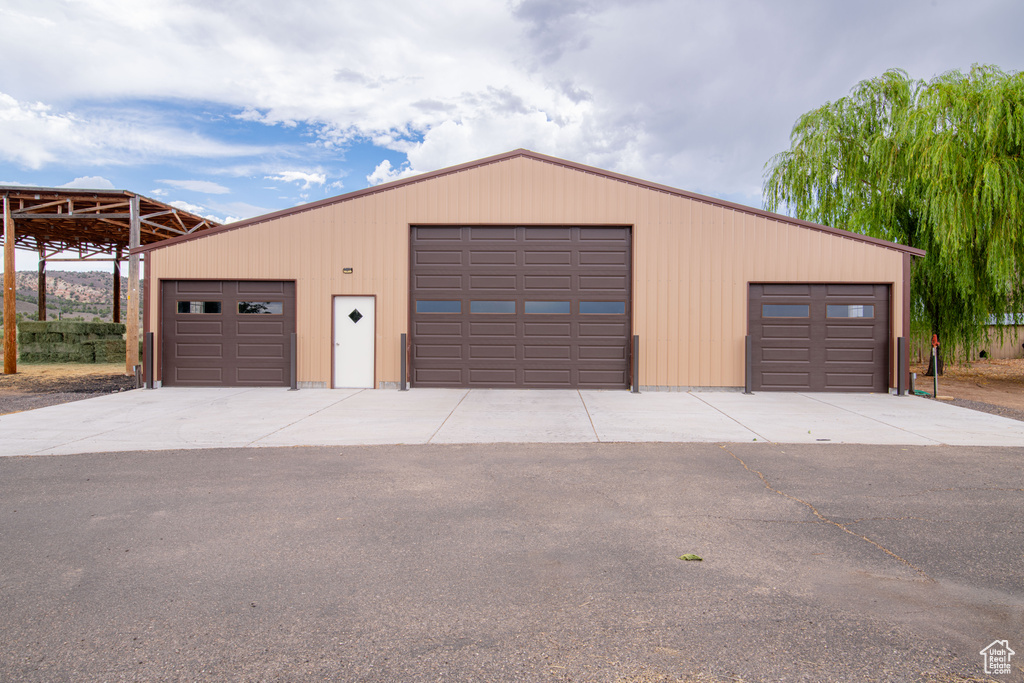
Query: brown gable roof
[384,187]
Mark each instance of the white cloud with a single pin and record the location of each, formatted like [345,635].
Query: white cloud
[203,186]
[33,135]
[307,179]
[385,173]
[91,182]
[202,211]
[690,93]
[186,206]
[240,210]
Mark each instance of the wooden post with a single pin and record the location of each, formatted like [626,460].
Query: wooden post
[117,285]
[10,325]
[42,283]
[131,358]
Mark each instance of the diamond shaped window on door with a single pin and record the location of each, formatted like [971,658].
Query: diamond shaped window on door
[355,315]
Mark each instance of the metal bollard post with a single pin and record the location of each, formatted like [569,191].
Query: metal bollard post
[901,366]
[294,362]
[636,364]
[403,362]
[748,375]
[935,372]
[150,366]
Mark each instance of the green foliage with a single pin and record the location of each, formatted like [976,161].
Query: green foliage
[938,166]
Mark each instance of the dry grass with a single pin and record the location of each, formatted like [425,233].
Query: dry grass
[66,378]
[50,371]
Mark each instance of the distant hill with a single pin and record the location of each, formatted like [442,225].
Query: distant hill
[86,295]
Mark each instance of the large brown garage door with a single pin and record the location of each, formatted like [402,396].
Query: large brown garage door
[226,333]
[819,337]
[539,307]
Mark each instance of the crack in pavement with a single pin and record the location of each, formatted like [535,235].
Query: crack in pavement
[973,488]
[895,519]
[760,520]
[304,417]
[445,421]
[825,519]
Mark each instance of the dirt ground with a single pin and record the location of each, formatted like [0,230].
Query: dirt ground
[993,386]
[37,386]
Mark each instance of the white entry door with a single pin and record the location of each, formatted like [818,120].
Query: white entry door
[354,337]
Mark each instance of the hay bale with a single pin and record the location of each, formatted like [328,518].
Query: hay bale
[57,353]
[72,353]
[69,327]
[32,326]
[69,341]
[108,350]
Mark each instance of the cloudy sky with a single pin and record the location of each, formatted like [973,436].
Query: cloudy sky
[234,108]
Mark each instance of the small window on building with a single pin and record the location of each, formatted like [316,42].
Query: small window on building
[439,307]
[492,306]
[785,311]
[547,307]
[603,307]
[850,311]
[261,307]
[198,307]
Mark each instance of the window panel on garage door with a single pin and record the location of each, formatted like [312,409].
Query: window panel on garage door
[543,306]
[819,337]
[226,333]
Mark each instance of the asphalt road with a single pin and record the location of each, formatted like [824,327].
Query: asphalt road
[512,563]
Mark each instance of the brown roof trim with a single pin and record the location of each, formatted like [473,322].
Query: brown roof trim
[384,187]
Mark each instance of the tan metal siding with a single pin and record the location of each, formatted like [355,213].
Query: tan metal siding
[692,260]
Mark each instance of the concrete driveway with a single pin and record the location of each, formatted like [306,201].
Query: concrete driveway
[174,418]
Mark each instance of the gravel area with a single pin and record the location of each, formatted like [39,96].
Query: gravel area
[38,386]
[1002,411]
[16,403]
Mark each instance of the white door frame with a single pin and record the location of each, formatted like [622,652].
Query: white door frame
[372,384]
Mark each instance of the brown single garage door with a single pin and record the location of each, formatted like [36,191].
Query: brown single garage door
[536,307]
[226,332]
[819,337]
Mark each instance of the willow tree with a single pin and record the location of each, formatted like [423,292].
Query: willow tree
[936,165]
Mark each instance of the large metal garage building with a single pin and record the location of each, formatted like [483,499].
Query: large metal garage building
[523,270]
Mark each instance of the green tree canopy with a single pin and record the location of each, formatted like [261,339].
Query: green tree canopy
[936,165]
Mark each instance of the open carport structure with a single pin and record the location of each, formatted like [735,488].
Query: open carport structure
[97,225]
